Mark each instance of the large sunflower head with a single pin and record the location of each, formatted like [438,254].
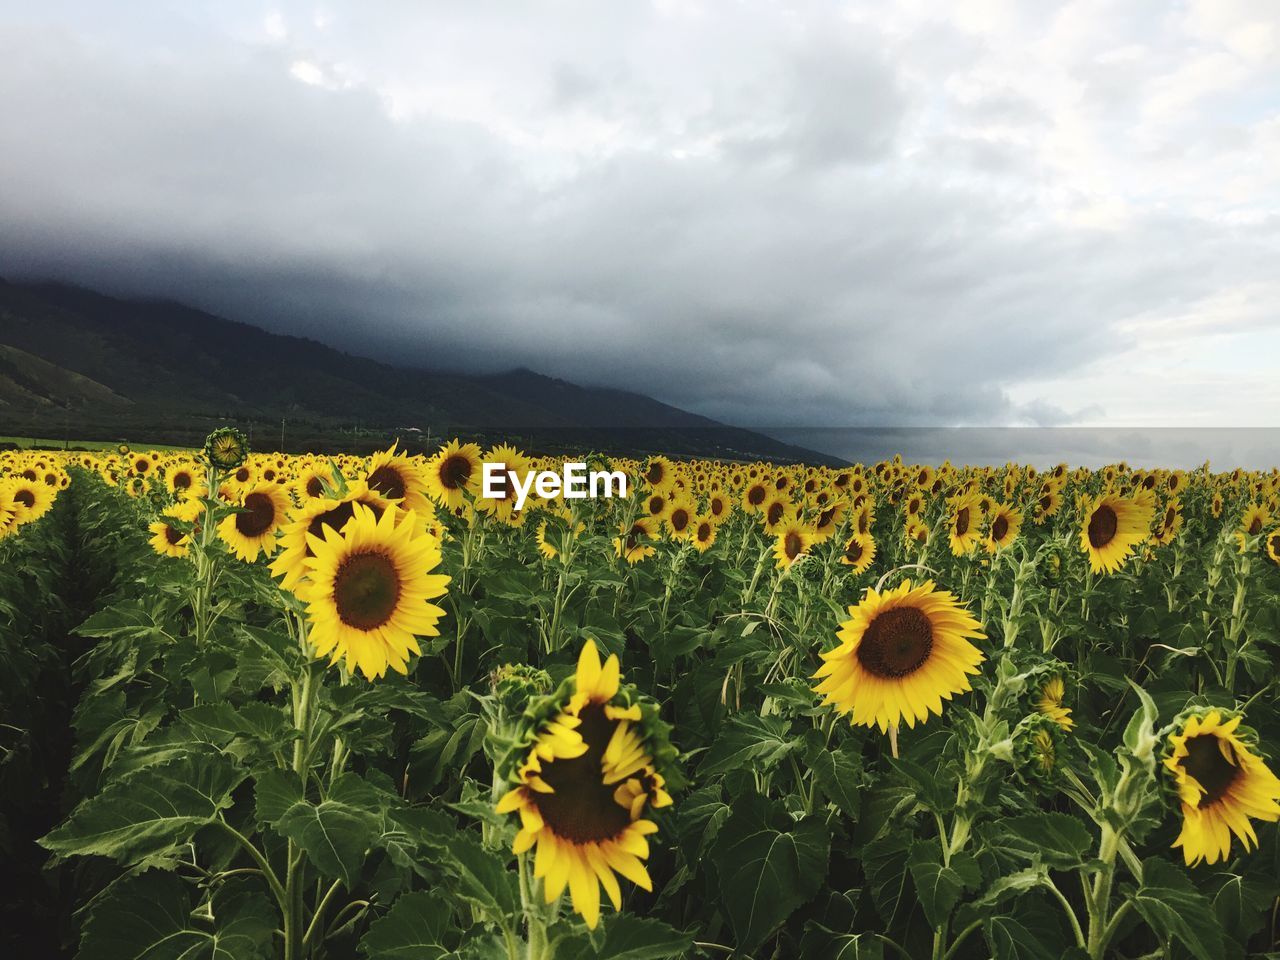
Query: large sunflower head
[1111,526]
[1221,784]
[368,589]
[589,766]
[901,653]
[251,529]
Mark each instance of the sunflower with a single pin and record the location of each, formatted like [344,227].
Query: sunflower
[453,473]
[1048,503]
[776,513]
[859,552]
[658,473]
[312,482]
[1111,527]
[368,589]
[901,653]
[632,543]
[1221,784]
[1050,703]
[679,518]
[962,526]
[28,500]
[1170,522]
[397,478]
[916,532]
[1252,522]
[251,530]
[828,519]
[183,482]
[508,460]
[1273,545]
[656,505]
[718,506]
[226,448]
[754,496]
[792,541]
[585,785]
[1006,522]
[1215,505]
[704,533]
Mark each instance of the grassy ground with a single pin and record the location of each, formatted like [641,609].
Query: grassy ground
[45,443]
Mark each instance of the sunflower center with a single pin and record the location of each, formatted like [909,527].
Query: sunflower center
[999,528]
[704,531]
[962,521]
[679,519]
[776,510]
[25,497]
[455,472]
[793,544]
[853,551]
[257,516]
[1275,544]
[654,474]
[366,590]
[1255,528]
[388,482]
[657,505]
[582,809]
[755,496]
[173,535]
[897,642]
[1102,526]
[243,474]
[181,480]
[314,487]
[1206,764]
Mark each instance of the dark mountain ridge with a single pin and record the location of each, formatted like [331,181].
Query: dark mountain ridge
[102,367]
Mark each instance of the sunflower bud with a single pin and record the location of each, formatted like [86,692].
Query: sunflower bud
[515,684]
[1039,744]
[226,448]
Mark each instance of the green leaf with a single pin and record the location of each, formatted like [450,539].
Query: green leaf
[939,887]
[413,929]
[838,774]
[1012,939]
[276,791]
[149,811]
[484,878]
[334,834]
[749,741]
[1057,839]
[1175,910]
[1014,884]
[627,937]
[1242,903]
[885,863]
[763,873]
[149,917]
[221,722]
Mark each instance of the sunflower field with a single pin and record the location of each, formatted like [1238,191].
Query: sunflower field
[257,705]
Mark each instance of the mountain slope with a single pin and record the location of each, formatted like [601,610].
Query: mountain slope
[164,367]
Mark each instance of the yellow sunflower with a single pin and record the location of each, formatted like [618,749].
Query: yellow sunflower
[901,653]
[173,539]
[962,526]
[251,530]
[633,544]
[1273,545]
[679,517]
[1221,784]
[1006,523]
[792,540]
[507,460]
[859,552]
[397,478]
[584,787]
[368,590]
[453,473]
[704,533]
[1111,527]
[310,519]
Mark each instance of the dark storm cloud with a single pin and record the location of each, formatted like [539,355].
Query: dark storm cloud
[791,219]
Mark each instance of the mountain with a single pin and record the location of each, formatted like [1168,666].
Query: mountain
[83,365]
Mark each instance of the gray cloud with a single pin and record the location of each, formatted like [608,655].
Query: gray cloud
[775,218]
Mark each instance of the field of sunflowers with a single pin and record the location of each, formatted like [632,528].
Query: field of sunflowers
[257,705]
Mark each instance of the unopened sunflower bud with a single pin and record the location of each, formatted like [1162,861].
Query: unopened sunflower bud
[226,448]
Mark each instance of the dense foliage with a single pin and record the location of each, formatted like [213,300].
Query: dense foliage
[352,707]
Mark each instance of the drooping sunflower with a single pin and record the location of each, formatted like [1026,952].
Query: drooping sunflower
[859,552]
[583,788]
[963,524]
[1050,700]
[901,653]
[251,530]
[633,543]
[1111,527]
[368,590]
[453,473]
[1221,783]
[1006,523]
[397,478]
[171,534]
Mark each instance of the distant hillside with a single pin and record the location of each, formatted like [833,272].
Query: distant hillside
[99,367]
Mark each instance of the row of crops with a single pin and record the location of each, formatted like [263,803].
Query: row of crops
[260,706]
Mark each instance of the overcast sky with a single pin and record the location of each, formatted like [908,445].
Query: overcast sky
[1024,212]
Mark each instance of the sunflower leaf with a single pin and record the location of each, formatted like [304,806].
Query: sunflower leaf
[1058,840]
[415,928]
[1175,910]
[749,741]
[938,885]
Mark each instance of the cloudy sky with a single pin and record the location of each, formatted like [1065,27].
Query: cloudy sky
[1022,212]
